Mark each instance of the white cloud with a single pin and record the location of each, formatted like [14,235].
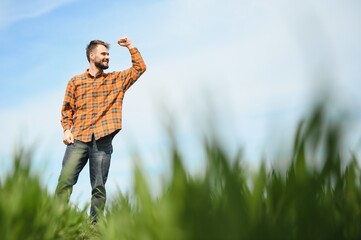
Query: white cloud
[12,11]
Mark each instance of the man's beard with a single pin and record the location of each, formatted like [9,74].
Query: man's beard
[100,65]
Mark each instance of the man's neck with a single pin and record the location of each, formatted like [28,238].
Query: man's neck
[94,71]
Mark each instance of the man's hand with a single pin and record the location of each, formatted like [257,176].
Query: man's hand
[125,42]
[68,137]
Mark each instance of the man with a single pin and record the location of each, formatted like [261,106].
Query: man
[91,117]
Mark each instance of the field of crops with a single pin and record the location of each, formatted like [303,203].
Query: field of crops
[304,201]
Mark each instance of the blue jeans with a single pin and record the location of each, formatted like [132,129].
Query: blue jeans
[98,152]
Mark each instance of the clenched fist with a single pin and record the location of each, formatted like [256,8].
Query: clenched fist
[125,42]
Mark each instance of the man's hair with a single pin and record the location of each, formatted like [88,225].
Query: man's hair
[92,45]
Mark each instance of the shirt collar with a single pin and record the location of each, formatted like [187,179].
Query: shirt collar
[101,73]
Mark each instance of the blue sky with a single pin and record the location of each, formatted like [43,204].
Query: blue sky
[254,66]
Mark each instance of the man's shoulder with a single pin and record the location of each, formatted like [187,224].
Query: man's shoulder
[79,77]
[112,73]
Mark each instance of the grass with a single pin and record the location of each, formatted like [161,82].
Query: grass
[305,201]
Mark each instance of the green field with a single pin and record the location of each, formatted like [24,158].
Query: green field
[303,201]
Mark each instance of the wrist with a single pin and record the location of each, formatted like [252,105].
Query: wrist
[130,46]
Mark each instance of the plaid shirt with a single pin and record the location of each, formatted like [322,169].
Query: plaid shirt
[94,105]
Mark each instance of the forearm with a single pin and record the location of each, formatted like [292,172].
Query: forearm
[67,109]
[137,60]
[66,121]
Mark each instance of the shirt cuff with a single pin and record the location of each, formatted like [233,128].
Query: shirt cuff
[133,50]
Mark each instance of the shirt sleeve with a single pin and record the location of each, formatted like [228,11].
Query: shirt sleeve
[130,75]
[67,110]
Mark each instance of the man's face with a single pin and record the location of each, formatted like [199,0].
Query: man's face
[101,57]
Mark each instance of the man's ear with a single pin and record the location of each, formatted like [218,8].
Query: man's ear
[91,55]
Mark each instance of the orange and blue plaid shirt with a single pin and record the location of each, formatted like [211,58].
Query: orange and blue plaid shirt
[93,105]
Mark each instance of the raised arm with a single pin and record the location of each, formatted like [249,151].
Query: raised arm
[129,76]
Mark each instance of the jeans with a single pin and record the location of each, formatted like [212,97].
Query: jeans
[98,152]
